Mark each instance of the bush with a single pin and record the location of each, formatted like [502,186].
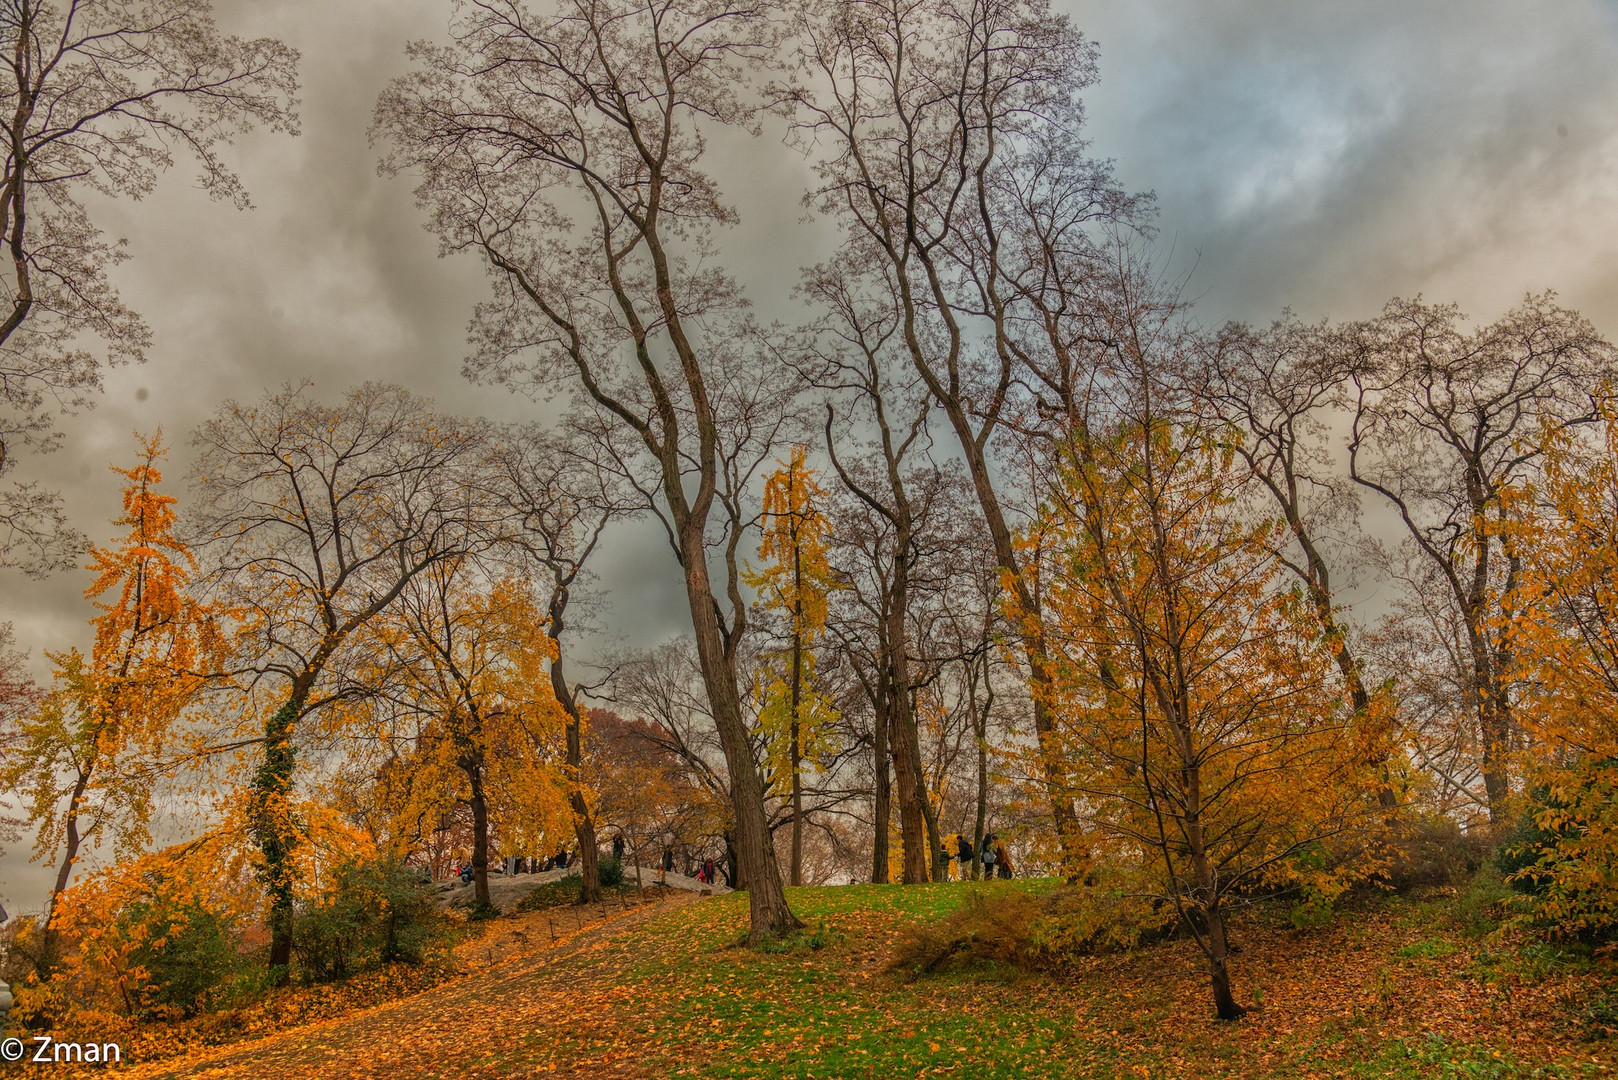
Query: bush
[187,953]
[612,873]
[1433,849]
[1003,925]
[1562,853]
[375,913]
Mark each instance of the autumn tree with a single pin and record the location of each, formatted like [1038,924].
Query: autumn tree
[99,96]
[87,758]
[794,582]
[459,709]
[561,500]
[530,123]
[1281,387]
[650,794]
[315,519]
[1210,740]
[1563,631]
[1444,422]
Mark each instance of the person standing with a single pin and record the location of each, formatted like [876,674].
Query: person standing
[1002,861]
[964,855]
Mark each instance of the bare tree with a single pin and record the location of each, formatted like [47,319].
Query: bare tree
[314,519]
[928,114]
[880,532]
[529,129]
[1444,423]
[98,96]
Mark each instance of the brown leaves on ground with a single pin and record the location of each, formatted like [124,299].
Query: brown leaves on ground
[467,1027]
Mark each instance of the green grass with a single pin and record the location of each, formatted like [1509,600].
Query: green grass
[821,1006]
[1433,1056]
[1426,950]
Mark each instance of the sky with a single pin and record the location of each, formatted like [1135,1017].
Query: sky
[1318,157]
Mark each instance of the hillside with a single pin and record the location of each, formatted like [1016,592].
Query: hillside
[1394,988]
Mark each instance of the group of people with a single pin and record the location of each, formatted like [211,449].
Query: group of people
[992,855]
[707,873]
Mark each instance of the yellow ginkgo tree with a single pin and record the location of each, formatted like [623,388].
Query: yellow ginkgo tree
[794,582]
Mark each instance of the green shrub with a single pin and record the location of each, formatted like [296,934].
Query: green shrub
[375,913]
[612,873]
[1562,856]
[187,953]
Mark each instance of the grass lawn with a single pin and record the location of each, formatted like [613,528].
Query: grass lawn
[1394,988]
[1397,988]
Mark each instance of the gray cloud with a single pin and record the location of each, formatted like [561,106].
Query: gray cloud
[1322,156]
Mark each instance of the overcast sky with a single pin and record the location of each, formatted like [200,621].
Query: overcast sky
[1323,157]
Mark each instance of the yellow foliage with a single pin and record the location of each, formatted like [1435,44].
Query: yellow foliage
[1195,699]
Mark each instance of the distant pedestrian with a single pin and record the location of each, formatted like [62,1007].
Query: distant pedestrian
[708,870]
[988,856]
[664,865]
[964,855]
[1002,861]
[618,847]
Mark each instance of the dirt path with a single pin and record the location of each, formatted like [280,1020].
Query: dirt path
[484,1024]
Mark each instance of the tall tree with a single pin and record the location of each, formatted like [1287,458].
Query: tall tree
[1280,387]
[855,351]
[1444,423]
[923,117]
[466,712]
[316,518]
[87,758]
[98,95]
[528,123]
[795,581]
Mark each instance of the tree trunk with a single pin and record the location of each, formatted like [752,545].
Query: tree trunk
[906,775]
[795,755]
[902,736]
[584,826]
[880,792]
[273,827]
[1225,1006]
[480,837]
[771,918]
[981,825]
[71,854]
